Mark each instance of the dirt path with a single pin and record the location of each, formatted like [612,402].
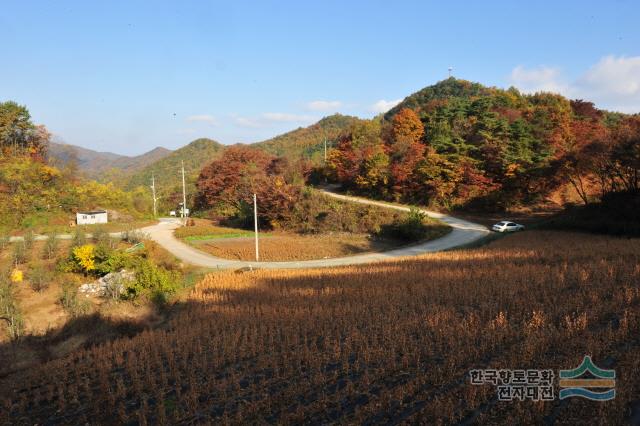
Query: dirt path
[463,232]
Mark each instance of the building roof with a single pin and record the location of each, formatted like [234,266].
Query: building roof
[92,212]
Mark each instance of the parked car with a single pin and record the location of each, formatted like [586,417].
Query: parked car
[506,226]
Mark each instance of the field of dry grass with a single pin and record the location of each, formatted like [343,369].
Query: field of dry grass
[285,247]
[389,342]
[239,244]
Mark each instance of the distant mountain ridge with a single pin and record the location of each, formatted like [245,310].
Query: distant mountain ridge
[96,163]
[132,171]
[167,169]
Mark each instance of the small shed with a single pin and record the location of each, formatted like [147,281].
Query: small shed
[91,217]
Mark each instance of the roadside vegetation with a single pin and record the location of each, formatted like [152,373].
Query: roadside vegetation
[40,297]
[366,344]
[617,214]
[301,222]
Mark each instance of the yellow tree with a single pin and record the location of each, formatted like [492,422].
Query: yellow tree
[406,148]
[407,127]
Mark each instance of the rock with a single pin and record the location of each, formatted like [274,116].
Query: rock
[244,269]
[111,284]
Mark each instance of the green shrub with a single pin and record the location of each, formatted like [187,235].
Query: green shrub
[71,303]
[19,255]
[4,241]
[410,228]
[317,213]
[28,239]
[9,309]
[39,277]
[95,260]
[100,236]
[107,260]
[79,260]
[79,238]
[133,236]
[50,246]
[115,287]
[151,280]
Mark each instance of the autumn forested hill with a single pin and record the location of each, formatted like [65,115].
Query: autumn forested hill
[454,144]
[461,144]
[167,171]
[308,142]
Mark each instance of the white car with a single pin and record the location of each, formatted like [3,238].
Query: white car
[506,226]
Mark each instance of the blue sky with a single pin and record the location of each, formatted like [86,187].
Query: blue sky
[126,76]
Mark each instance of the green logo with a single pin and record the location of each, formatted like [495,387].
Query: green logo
[572,384]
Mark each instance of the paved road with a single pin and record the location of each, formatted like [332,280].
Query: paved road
[463,232]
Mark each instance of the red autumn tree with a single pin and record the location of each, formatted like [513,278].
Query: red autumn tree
[233,176]
[231,181]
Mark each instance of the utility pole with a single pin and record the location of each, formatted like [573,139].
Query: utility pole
[153,190]
[450,69]
[255,224]
[325,150]
[184,198]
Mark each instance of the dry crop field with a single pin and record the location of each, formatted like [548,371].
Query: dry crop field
[239,244]
[383,343]
[285,247]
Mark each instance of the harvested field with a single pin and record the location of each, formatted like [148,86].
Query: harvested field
[239,244]
[284,247]
[380,343]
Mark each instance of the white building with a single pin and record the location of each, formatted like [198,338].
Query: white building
[91,217]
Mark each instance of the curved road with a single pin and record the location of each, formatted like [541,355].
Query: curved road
[463,232]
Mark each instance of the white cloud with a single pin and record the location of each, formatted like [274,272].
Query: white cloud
[540,79]
[612,83]
[324,105]
[204,118]
[383,105]
[284,117]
